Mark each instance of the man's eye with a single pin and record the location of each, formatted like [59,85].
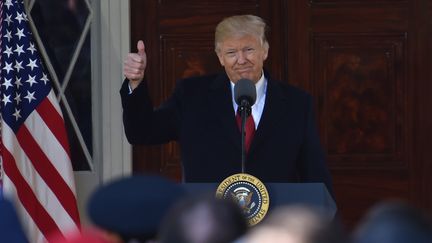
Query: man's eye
[230,53]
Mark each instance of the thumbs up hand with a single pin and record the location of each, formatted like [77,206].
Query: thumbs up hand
[134,65]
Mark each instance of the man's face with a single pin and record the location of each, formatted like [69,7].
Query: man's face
[242,57]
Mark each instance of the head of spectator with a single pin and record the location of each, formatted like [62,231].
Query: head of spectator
[394,222]
[295,224]
[83,236]
[132,208]
[203,219]
[10,227]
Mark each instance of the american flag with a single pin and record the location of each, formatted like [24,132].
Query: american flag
[37,173]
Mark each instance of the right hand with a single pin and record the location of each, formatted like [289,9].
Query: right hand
[134,65]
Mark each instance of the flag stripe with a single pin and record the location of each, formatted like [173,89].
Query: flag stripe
[47,171]
[36,211]
[53,150]
[30,227]
[54,102]
[39,187]
[54,121]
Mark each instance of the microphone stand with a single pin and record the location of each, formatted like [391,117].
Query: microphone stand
[245,111]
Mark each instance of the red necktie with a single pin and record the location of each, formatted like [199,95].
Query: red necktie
[249,129]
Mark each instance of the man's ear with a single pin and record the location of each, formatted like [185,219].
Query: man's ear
[265,54]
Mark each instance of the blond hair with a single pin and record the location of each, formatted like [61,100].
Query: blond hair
[239,26]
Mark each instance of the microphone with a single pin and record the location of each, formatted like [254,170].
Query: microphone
[245,97]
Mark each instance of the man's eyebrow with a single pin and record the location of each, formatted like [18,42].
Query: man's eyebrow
[230,49]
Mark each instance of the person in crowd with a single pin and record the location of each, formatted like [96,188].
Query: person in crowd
[10,227]
[203,219]
[296,224]
[131,209]
[394,222]
[85,235]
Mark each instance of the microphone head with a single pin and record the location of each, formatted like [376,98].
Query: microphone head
[245,89]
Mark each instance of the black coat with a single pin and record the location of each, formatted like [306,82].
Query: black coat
[200,116]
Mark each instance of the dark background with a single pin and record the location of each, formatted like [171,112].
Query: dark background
[367,63]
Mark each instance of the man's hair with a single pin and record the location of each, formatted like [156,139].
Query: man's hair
[239,26]
[395,222]
[221,219]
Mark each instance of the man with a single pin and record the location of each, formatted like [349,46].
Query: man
[394,221]
[201,114]
[296,224]
[202,218]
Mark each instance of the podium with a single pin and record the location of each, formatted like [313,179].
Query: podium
[309,194]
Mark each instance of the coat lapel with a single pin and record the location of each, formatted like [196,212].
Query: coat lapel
[274,109]
[221,107]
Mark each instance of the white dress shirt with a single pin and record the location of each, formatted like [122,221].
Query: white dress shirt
[258,107]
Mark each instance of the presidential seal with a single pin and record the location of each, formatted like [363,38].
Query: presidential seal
[249,193]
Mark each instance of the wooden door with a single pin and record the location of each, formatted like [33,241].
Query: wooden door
[367,63]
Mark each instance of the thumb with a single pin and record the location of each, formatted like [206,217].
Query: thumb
[141,48]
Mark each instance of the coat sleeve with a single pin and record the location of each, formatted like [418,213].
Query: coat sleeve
[142,123]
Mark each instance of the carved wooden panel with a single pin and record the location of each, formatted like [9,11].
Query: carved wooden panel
[429,13]
[380,18]
[354,2]
[185,56]
[194,17]
[421,58]
[209,3]
[360,82]
[204,9]
[358,190]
